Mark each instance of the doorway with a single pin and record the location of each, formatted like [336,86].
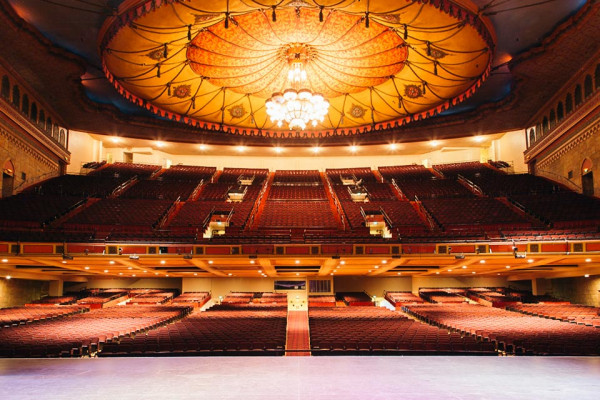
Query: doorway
[587,177]
[8,178]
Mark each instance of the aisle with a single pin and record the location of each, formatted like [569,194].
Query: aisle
[297,334]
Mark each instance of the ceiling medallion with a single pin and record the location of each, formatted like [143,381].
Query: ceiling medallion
[229,54]
[237,111]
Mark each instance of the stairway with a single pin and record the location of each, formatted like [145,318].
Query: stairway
[297,338]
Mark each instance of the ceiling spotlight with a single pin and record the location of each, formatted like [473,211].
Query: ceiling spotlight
[229,274]
[399,273]
[240,149]
[369,271]
[64,262]
[111,262]
[393,146]
[331,274]
[202,146]
[449,270]
[473,272]
[478,139]
[297,261]
[342,262]
[156,273]
[530,261]
[167,275]
[384,261]
[252,261]
[133,275]
[260,271]
[4,260]
[8,276]
[145,271]
[278,150]
[129,267]
[353,148]
[376,267]
[158,143]
[434,143]
[586,276]
[437,272]
[115,139]
[508,267]
[162,261]
[105,271]
[481,261]
[316,149]
[210,261]
[464,267]
[195,273]
[297,273]
[120,273]
[86,267]
[586,260]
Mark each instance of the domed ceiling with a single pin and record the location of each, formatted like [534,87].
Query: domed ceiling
[378,63]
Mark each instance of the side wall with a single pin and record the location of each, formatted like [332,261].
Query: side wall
[578,290]
[16,292]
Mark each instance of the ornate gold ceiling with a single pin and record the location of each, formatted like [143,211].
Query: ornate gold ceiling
[379,63]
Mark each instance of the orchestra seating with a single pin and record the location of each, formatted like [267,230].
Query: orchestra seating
[238,298]
[321,301]
[231,175]
[448,295]
[297,214]
[375,330]
[195,299]
[363,174]
[355,299]
[398,299]
[160,190]
[228,329]
[35,313]
[34,211]
[151,298]
[83,334]
[433,188]
[274,298]
[565,210]
[574,313]
[511,332]
[401,173]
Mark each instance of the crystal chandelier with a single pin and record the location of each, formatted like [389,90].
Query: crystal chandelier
[297,105]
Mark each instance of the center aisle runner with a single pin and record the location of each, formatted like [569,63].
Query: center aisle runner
[297,334]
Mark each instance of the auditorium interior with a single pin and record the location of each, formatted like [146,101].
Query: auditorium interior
[313,199]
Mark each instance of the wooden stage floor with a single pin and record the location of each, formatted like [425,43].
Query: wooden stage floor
[282,378]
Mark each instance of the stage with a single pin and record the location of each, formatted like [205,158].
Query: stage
[331,378]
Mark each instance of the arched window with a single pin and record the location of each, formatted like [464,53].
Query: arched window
[545,125]
[63,137]
[552,119]
[560,112]
[33,114]
[578,95]
[5,87]
[42,120]
[25,104]
[597,77]
[49,125]
[588,86]
[55,132]
[16,98]
[569,103]
[531,136]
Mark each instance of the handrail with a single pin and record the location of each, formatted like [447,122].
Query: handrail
[470,183]
[37,179]
[163,218]
[388,220]
[336,203]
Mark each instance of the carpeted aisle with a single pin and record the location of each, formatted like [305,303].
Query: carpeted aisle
[297,334]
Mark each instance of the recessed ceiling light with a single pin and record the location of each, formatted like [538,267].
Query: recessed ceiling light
[297,273]
[297,261]
[393,146]
[278,150]
[86,267]
[252,261]
[162,261]
[464,267]
[230,274]
[105,271]
[338,267]
[8,276]
[133,275]
[530,261]
[342,262]
[64,262]
[111,262]
[473,272]
[130,268]
[369,271]
[478,139]
[120,273]
[316,149]
[158,143]
[210,261]
[449,270]
[376,267]
[384,261]
[508,267]
[240,149]
[437,272]
[586,260]
[331,273]
[481,261]
[145,271]
[4,260]
[167,275]
[434,143]
[353,148]
[195,273]
[115,139]
[202,146]
[587,275]
[156,273]
[399,273]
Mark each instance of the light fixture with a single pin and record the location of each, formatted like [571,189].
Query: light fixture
[202,146]
[229,274]
[240,149]
[162,261]
[167,275]
[252,261]
[437,272]
[473,272]
[393,146]
[384,261]
[342,262]
[8,277]
[464,267]
[530,261]
[134,257]
[278,150]
[86,267]
[481,261]
[120,273]
[111,262]
[158,143]
[297,261]
[434,143]
[105,271]
[316,149]
[297,105]
[133,275]
[586,260]
[129,267]
[4,260]
[210,261]
[195,274]
[353,148]
[585,276]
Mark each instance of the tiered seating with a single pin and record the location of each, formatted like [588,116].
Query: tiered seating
[216,191]
[355,299]
[405,172]
[364,330]
[191,173]
[29,210]
[221,330]
[83,334]
[35,313]
[321,301]
[363,174]
[398,299]
[195,299]
[98,300]
[300,214]
[231,175]
[466,169]
[161,190]
[55,300]
[574,313]
[304,192]
[127,170]
[152,298]
[238,298]
[443,295]
[494,297]
[512,332]
[273,298]
[297,176]
[562,210]
[474,212]
[433,188]
[128,214]
[80,185]
[380,191]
